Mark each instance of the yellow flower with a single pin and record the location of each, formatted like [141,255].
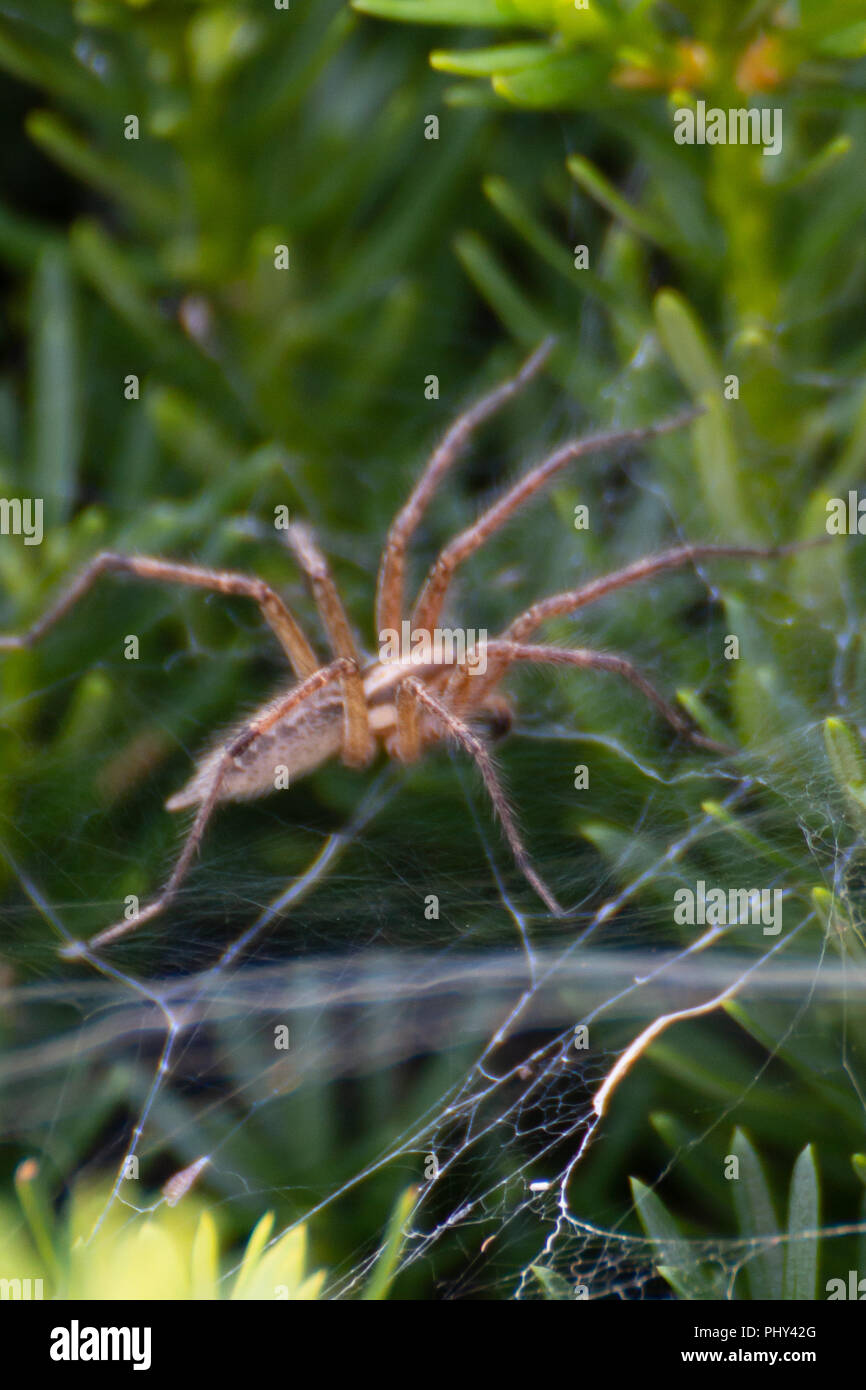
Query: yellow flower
[111,1250]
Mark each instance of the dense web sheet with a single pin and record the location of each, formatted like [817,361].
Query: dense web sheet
[521,1054]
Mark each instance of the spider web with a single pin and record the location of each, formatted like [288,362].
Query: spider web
[454,1035]
[433,1011]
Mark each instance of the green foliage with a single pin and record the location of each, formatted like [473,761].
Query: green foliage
[605,55]
[258,388]
[766,252]
[777,1264]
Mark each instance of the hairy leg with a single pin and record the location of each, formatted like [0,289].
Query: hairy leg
[466,686]
[358,742]
[392,570]
[504,654]
[292,640]
[646,568]
[432,597]
[239,744]
[473,745]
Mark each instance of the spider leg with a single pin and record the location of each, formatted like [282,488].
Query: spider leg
[358,742]
[645,568]
[392,570]
[465,686]
[473,745]
[408,729]
[505,653]
[239,744]
[432,597]
[292,640]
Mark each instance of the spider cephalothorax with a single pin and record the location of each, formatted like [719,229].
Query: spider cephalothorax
[349,707]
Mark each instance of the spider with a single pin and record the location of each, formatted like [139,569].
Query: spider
[351,707]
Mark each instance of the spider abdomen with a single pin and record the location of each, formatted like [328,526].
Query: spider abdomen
[298,743]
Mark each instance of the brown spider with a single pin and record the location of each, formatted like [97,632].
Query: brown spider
[348,707]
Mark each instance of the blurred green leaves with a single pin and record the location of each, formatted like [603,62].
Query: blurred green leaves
[777,1264]
[766,254]
[598,52]
[705,269]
